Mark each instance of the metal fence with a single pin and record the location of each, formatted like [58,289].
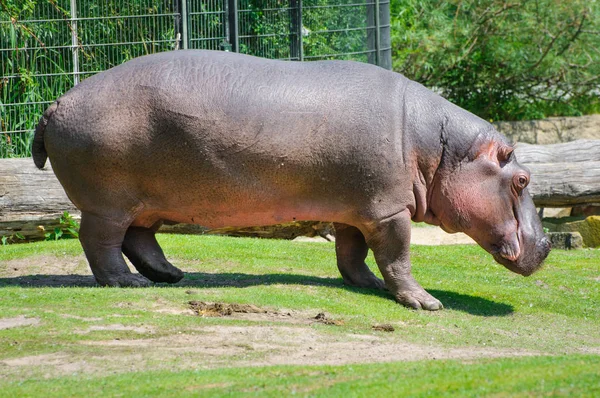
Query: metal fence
[46,47]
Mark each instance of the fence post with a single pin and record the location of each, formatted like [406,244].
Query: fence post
[372,34]
[385,38]
[296,45]
[378,33]
[74,42]
[184,24]
[234,37]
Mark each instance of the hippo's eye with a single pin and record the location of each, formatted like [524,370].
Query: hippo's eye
[521,181]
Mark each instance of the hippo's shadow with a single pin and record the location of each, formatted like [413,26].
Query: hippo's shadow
[451,300]
[471,304]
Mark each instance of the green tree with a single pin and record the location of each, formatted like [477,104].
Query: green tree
[503,59]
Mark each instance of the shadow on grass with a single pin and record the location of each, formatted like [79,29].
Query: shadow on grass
[471,304]
[451,300]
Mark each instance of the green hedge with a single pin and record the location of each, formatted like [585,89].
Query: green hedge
[503,60]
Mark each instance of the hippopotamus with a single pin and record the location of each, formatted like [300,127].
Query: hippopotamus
[224,139]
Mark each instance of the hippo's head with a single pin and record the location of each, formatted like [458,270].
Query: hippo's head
[485,196]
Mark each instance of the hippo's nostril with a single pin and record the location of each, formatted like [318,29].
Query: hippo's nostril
[546,243]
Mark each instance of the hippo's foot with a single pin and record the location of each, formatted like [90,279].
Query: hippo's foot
[364,279]
[144,252]
[159,272]
[418,299]
[124,280]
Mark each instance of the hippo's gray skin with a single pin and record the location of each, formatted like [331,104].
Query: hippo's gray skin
[222,139]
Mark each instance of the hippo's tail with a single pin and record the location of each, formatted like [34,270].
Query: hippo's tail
[38,149]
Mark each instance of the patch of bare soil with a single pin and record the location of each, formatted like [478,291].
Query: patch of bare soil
[322,318]
[432,236]
[386,327]
[51,271]
[66,265]
[288,339]
[81,318]
[19,321]
[117,326]
[254,313]
[203,308]
[233,346]
[59,363]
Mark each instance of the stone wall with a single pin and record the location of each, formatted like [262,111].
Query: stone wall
[552,130]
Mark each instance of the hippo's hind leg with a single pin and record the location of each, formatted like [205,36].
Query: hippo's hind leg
[351,251]
[101,239]
[142,249]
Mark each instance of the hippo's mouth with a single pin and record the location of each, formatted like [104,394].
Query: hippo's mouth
[509,249]
[528,261]
[513,265]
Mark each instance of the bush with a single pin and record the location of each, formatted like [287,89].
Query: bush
[503,60]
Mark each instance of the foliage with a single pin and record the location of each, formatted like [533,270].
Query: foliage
[6,239]
[503,59]
[69,228]
[330,29]
[335,30]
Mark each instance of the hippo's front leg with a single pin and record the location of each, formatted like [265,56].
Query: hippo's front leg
[390,242]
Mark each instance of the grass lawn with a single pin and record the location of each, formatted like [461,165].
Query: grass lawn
[500,334]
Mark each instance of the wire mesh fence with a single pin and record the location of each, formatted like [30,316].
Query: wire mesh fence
[48,46]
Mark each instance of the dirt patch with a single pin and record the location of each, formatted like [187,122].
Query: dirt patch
[322,318]
[208,347]
[52,265]
[384,328]
[19,321]
[203,308]
[56,364]
[432,236]
[115,327]
[218,346]
[47,271]
[81,318]
[254,313]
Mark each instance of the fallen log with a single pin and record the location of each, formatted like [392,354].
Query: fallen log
[563,175]
[32,200]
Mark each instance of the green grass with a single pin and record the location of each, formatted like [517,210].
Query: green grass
[552,316]
[538,376]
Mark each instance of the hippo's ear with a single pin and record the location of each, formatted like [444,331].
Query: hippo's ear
[505,152]
[497,152]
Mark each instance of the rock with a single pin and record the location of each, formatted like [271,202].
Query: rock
[588,228]
[586,210]
[309,239]
[557,212]
[552,130]
[566,240]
